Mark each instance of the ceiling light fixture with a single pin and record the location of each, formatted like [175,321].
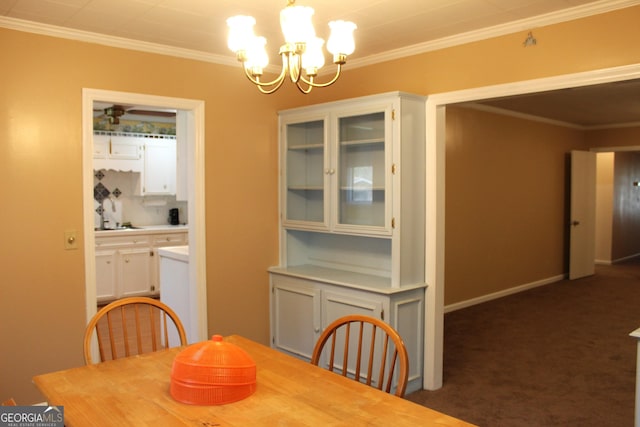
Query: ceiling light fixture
[302,50]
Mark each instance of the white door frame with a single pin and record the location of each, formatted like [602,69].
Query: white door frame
[192,112]
[435,189]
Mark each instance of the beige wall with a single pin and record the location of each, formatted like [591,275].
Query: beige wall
[42,313]
[42,300]
[505,202]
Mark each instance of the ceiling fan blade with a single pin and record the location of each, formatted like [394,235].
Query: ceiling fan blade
[152,113]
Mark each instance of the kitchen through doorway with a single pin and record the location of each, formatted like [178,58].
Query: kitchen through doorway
[189,137]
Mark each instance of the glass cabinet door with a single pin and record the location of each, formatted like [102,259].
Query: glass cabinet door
[361,170]
[305,177]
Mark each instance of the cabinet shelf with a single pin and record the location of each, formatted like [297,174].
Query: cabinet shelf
[360,142]
[306,147]
[362,189]
[305,188]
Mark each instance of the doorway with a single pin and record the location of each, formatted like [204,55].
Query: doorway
[190,132]
[435,191]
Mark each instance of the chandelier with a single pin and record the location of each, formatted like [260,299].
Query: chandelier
[302,55]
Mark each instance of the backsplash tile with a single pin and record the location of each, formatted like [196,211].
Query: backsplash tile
[100,192]
[115,198]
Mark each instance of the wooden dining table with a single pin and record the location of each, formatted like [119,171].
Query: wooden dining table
[134,391]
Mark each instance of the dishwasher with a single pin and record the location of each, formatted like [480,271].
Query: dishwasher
[175,289]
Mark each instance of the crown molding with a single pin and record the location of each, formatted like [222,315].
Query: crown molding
[527,24]
[518,115]
[539,119]
[112,41]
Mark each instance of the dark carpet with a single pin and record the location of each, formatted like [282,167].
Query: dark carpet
[557,355]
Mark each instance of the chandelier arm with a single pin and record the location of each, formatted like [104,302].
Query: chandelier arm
[271,90]
[278,80]
[295,71]
[303,90]
[311,83]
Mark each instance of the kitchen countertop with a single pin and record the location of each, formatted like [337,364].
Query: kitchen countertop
[145,229]
[179,253]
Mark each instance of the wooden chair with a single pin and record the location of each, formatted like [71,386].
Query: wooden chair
[131,326]
[384,355]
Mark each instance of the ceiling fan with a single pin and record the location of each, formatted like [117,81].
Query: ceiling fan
[114,112]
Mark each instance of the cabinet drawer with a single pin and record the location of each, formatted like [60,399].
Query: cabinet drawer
[116,242]
[171,239]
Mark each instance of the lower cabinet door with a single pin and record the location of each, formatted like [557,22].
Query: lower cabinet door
[338,304]
[296,317]
[106,276]
[135,272]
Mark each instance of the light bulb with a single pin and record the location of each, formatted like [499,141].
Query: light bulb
[341,39]
[313,57]
[296,24]
[240,32]
[257,58]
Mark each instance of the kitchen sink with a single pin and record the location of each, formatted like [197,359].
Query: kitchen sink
[129,227]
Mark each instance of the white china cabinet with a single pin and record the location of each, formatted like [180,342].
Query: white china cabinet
[352,209]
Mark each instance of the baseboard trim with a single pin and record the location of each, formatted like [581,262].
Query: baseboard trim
[626,258]
[503,293]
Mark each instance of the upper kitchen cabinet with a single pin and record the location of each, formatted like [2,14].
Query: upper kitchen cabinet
[159,167]
[117,151]
[352,186]
[153,156]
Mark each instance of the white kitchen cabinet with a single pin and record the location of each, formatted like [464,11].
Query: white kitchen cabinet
[106,282]
[302,307]
[117,151]
[159,167]
[101,145]
[135,272]
[128,257]
[127,262]
[125,147]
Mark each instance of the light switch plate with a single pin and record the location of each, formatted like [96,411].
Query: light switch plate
[70,239]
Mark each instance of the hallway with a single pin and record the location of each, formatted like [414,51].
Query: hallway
[558,355]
